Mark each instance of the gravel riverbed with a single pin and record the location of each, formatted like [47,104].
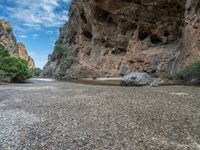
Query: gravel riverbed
[60,115]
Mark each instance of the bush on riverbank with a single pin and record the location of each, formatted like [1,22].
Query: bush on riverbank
[37,72]
[13,69]
[191,73]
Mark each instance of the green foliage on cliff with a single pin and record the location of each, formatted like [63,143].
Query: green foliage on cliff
[66,63]
[37,72]
[191,71]
[3,52]
[57,53]
[58,50]
[13,69]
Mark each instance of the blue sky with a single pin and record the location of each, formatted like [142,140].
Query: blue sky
[36,23]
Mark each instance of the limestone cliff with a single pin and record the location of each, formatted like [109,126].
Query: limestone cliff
[22,53]
[114,37]
[8,40]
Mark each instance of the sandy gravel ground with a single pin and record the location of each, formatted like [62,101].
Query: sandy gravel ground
[60,115]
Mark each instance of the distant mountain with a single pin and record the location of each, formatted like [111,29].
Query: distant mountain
[8,40]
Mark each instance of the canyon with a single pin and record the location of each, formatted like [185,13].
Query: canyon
[107,38]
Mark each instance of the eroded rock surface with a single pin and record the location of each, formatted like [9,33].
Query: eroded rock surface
[115,37]
[7,39]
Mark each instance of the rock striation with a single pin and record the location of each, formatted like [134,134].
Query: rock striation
[8,40]
[111,38]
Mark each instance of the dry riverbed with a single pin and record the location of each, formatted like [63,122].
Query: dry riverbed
[61,115]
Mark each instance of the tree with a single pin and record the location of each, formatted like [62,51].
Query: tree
[3,52]
[37,72]
[13,69]
[190,74]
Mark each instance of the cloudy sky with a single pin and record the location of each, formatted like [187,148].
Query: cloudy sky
[36,23]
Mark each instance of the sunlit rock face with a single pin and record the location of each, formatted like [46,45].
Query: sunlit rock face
[8,40]
[115,37]
[22,53]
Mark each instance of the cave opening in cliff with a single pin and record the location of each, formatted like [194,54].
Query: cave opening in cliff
[155,39]
[83,17]
[166,33]
[87,34]
[119,51]
[143,35]
[102,15]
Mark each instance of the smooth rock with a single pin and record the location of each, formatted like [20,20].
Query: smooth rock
[137,79]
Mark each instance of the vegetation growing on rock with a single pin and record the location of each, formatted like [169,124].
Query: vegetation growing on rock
[66,63]
[3,52]
[37,72]
[58,52]
[15,49]
[191,72]
[13,69]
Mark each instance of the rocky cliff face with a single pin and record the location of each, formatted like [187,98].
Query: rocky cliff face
[8,40]
[22,53]
[114,37]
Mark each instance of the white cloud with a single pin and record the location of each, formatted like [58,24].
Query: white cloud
[23,36]
[35,36]
[49,32]
[36,14]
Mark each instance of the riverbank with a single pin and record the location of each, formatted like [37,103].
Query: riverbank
[100,81]
[64,115]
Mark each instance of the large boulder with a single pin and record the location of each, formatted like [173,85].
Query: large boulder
[140,79]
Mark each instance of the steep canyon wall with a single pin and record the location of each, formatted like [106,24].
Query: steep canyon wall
[110,38]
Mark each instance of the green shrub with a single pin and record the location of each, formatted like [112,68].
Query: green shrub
[191,71]
[66,63]
[3,76]
[14,69]
[37,72]
[94,78]
[3,52]
[57,53]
